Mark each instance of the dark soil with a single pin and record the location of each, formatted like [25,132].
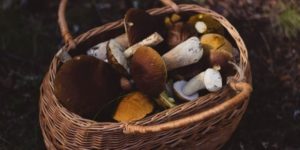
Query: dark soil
[30,37]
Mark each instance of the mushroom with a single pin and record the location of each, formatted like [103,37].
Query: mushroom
[178,33]
[219,51]
[99,51]
[139,25]
[212,25]
[178,89]
[188,72]
[85,84]
[116,57]
[151,40]
[148,71]
[133,106]
[186,53]
[210,79]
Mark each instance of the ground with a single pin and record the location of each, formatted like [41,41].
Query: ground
[30,37]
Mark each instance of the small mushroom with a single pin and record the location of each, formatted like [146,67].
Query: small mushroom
[212,25]
[151,40]
[210,79]
[133,106]
[85,84]
[219,50]
[116,57]
[148,71]
[178,88]
[186,53]
[178,33]
[99,51]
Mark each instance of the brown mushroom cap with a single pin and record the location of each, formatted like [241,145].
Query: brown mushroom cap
[85,84]
[219,51]
[148,71]
[213,26]
[216,42]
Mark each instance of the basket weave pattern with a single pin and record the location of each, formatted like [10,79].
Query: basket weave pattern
[63,129]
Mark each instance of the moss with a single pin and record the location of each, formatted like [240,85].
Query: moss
[288,20]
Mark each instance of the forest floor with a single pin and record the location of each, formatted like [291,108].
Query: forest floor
[29,38]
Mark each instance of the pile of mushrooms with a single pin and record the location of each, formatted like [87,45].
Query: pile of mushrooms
[157,64]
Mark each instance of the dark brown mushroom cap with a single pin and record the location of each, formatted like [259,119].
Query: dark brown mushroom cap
[139,25]
[84,85]
[148,71]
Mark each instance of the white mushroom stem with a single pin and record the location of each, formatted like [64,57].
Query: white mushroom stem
[186,53]
[99,50]
[210,79]
[117,52]
[151,40]
[122,40]
[178,88]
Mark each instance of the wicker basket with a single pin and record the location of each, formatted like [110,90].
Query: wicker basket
[206,123]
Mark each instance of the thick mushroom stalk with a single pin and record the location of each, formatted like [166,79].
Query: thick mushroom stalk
[151,40]
[178,88]
[210,79]
[116,57]
[99,51]
[186,53]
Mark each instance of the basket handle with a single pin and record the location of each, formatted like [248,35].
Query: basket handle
[65,32]
[243,88]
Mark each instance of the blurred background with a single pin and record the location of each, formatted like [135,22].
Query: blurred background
[29,38]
